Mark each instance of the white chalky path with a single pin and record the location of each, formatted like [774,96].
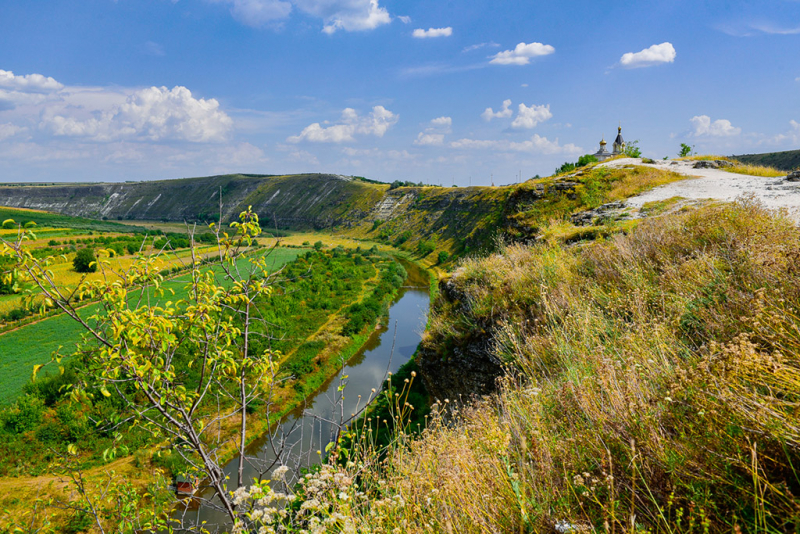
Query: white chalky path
[716,184]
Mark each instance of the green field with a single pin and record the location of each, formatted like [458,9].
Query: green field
[33,344]
[54,220]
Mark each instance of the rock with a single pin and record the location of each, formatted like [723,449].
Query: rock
[588,217]
[716,164]
[793,176]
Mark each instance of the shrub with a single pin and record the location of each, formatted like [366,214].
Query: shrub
[685,150]
[318,245]
[443,257]
[586,159]
[85,261]
[632,150]
[426,247]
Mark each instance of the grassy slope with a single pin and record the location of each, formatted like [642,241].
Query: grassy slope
[657,377]
[19,355]
[785,161]
[55,220]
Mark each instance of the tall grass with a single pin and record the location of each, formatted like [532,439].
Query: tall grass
[653,384]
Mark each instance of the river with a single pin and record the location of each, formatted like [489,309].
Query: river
[308,428]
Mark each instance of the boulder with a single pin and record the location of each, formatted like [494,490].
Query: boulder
[793,176]
[715,164]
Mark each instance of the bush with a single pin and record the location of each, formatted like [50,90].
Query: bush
[85,261]
[426,247]
[443,257]
[585,160]
[632,150]
[318,245]
[24,415]
[685,150]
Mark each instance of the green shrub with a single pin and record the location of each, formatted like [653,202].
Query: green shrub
[318,245]
[443,257]
[426,247]
[24,415]
[85,261]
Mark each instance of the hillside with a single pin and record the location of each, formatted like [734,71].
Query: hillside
[785,161]
[307,200]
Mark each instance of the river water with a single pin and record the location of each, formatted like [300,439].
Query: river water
[309,428]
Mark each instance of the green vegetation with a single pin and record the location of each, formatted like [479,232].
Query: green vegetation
[783,161]
[59,332]
[54,220]
[685,150]
[632,150]
[582,162]
[85,261]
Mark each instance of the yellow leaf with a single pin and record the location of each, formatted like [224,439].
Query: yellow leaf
[105,392]
[36,369]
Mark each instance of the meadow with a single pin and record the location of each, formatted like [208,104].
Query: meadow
[60,332]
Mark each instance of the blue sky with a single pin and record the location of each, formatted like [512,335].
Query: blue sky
[412,90]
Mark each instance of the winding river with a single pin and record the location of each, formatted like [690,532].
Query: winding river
[309,427]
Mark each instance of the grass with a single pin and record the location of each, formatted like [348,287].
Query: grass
[19,355]
[755,170]
[652,386]
[43,218]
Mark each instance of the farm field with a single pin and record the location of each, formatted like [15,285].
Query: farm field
[34,343]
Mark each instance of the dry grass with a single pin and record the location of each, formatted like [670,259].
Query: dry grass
[653,386]
[755,170]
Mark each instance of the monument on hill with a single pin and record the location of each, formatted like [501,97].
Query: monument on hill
[618,148]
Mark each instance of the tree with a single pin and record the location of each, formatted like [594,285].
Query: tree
[443,257]
[426,247]
[85,261]
[187,371]
[685,150]
[632,150]
[318,245]
[586,159]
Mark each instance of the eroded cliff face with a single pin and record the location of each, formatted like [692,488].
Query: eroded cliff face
[455,366]
[316,201]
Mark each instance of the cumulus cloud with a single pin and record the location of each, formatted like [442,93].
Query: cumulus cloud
[529,117]
[10,130]
[704,127]
[791,137]
[655,55]
[28,83]
[376,123]
[347,15]
[535,145]
[489,114]
[522,54]
[419,33]
[154,114]
[434,134]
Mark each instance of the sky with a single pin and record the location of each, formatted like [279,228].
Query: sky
[443,92]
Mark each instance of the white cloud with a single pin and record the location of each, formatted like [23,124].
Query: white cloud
[772,29]
[435,132]
[376,123]
[153,114]
[529,117]
[419,33]
[522,54]
[257,13]
[791,137]
[655,55]
[478,46]
[535,145]
[442,122]
[348,15]
[28,83]
[703,127]
[9,130]
[429,139]
[489,114]
[404,19]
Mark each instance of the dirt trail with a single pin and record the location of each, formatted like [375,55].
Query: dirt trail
[716,184]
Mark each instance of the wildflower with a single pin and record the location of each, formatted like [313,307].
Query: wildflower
[280,472]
